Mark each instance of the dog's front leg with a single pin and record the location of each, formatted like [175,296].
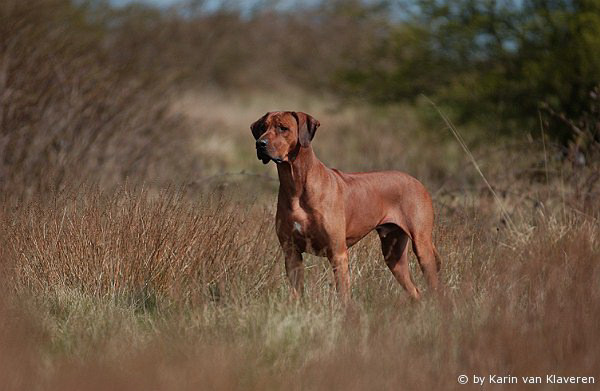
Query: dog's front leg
[339,263]
[294,270]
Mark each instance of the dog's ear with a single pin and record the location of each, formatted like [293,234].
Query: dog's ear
[258,126]
[307,127]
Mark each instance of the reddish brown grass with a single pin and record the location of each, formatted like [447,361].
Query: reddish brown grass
[194,291]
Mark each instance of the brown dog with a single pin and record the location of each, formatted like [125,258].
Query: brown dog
[324,211]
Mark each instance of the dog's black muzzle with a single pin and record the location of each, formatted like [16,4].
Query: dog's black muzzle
[262,154]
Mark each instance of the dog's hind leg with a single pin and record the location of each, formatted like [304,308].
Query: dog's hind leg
[428,258]
[394,244]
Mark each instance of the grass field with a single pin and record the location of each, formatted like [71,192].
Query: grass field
[142,285]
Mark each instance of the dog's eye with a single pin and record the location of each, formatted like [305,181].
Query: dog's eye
[283,128]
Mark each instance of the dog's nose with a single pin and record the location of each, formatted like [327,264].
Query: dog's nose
[261,143]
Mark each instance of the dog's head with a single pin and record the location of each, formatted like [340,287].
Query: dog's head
[279,134]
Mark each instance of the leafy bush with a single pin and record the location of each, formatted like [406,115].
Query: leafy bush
[495,62]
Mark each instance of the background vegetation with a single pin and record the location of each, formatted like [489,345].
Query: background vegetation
[137,244]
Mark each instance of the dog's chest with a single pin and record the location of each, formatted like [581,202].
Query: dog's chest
[305,231]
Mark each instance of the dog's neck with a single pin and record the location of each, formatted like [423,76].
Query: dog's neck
[293,174]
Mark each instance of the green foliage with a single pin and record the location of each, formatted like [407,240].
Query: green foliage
[491,59]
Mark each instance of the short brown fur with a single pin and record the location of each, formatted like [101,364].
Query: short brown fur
[325,211]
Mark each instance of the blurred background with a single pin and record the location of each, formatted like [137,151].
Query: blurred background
[137,239]
[163,91]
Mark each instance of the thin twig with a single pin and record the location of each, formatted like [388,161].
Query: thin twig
[462,143]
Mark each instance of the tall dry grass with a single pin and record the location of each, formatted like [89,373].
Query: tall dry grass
[69,115]
[131,290]
[137,244]
[183,287]
[141,248]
